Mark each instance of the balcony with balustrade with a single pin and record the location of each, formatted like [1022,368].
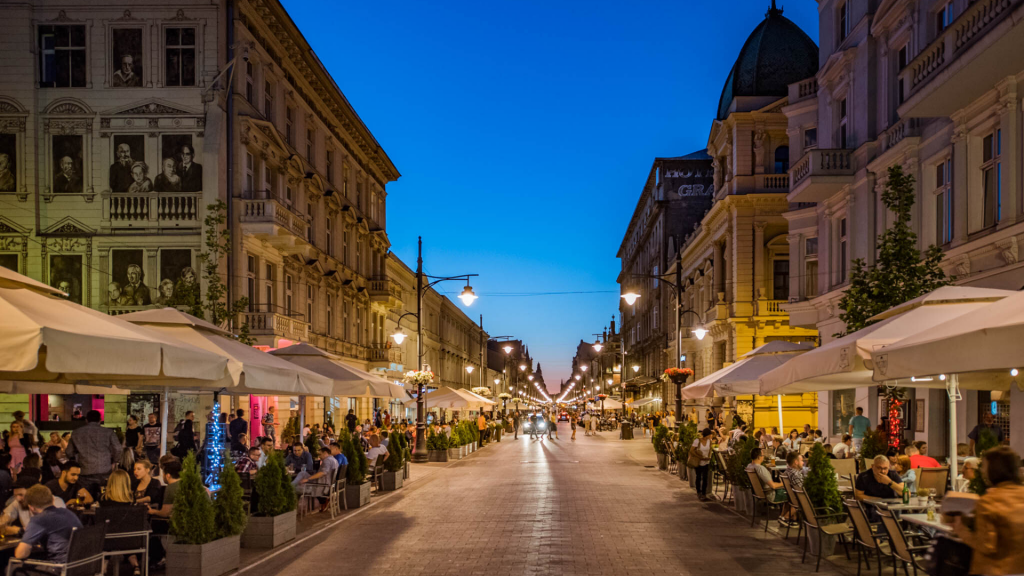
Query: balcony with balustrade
[771,307]
[151,211]
[386,292]
[982,46]
[820,174]
[382,356]
[267,216]
[270,325]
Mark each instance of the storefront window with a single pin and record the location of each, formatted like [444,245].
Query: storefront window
[842,411]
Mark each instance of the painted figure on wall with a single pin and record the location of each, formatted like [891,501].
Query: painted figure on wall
[127,52]
[191,172]
[66,275]
[140,178]
[167,180]
[178,148]
[127,275]
[127,149]
[67,164]
[8,163]
[175,267]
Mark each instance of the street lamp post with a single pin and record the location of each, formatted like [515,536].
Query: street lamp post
[467,296]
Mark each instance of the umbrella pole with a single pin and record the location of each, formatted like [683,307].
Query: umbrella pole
[778,401]
[163,421]
[953,392]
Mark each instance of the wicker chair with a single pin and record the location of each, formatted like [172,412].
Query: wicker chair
[813,518]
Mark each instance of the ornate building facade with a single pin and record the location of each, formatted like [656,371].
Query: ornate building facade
[930,86]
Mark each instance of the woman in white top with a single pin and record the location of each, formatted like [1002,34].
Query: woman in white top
[702,449]
[793,442]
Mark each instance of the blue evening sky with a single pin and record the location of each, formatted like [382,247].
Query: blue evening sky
[524,132]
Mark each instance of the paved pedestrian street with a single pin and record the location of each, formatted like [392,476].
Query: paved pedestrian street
[593,506]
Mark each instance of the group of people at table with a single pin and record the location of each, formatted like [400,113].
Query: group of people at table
[994,531]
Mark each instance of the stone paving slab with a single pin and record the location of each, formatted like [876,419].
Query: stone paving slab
[593,506]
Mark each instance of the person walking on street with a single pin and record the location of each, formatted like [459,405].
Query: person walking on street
[701,451]
[572,424]
[481,426]
[268,426]
[97,449]
[515,425]
[551,424]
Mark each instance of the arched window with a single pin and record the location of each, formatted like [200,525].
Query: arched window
[782,160]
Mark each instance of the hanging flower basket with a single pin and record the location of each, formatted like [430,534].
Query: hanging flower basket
[418,377]
[481,390]
[504,395]
[676,375]
[602,396]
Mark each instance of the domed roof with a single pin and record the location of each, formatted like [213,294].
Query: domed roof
[777,54]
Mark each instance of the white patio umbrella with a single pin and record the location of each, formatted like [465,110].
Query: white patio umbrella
[743,377]
[976,351]
[47,339]
[445,397]
[643,402]
[846,362]
[348,381]
[250,371]
[609,404]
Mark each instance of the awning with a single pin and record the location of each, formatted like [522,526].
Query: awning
[46,338]
[643,402]
[347,381]
[251,371]
[609,404]
[846,362]
[446,397]
[743,377]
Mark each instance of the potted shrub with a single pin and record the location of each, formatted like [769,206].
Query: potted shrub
[659,437]
[687,434]
[437,448]
[738,471]
[455,444]
[393,475]
[823,492]
[357,489]
[200,546]
[273,521]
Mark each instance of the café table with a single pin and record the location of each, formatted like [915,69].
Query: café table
[922,520]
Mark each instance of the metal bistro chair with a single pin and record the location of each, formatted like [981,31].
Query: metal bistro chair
[127,533]
[866,537]
[795,504]
[670,449]
[722,476]
[85,555]
[377,473]
[933,478]
[761,495]
[813,519]
[899,548]
[311,491]
[337,497]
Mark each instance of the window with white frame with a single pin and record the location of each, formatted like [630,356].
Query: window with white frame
[249,82]
[842,251]
[250,179]
[268,101]
[844,21]
[810,267]
[288,294]
[944,202]
[62,57]
[843,128]
[180,57]
[991,178]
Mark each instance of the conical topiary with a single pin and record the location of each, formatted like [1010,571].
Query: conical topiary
[820,484]
[192,520]
[229,506]
[274,488]
[356,471]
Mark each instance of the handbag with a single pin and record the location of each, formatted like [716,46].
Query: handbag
[693,458]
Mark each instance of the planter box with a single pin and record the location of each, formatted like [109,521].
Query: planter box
[691,474]
[391,481]
[463,451]
[828,544]
[662,461]
[437,455]
[405,470]
[211,559]
[269,531]
[455,453]
[357,495]
[744,500]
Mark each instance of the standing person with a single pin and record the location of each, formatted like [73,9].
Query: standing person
[27,425]
[572,424]
[859,424]
[987,426]
[97,449]
[997,537]
[237,430]
[515,425]
[151,432]
[701,449]
[670,420]
[552,423]
[268,426]
[133,435]
[351,421]
[481,426]
[19,445]
[187,435]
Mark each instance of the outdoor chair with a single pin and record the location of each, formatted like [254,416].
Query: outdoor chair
[671,451]
[722,476]
[866,537]
[813,518]
[845,467]
[337,497]
[377,473]
[899,548]
[795,504]
[127,533]
[933,478]
[85,555]
[312,491]
[762,496]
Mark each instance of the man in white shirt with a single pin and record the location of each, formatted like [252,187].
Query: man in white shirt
[17,510]
[844,449]
[375,449]
[670,420]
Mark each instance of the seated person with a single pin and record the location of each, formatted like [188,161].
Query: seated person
[878,482]
[323,477]
[795,470]
[384,438]
[338,456]
[67,488]
[774,491]
[16,514]
[50,528]
[171,474]
[819,437]
[844,449]
[248,464]
[828,451]
[266,447]
[907,473]
[148,489]
[375,450]
[918,456]
[969,471]
[299,459]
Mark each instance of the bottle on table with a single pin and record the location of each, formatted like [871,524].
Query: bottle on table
[906,494]
[931,508]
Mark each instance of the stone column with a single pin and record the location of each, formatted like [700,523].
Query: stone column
[759,264]
[718,271]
